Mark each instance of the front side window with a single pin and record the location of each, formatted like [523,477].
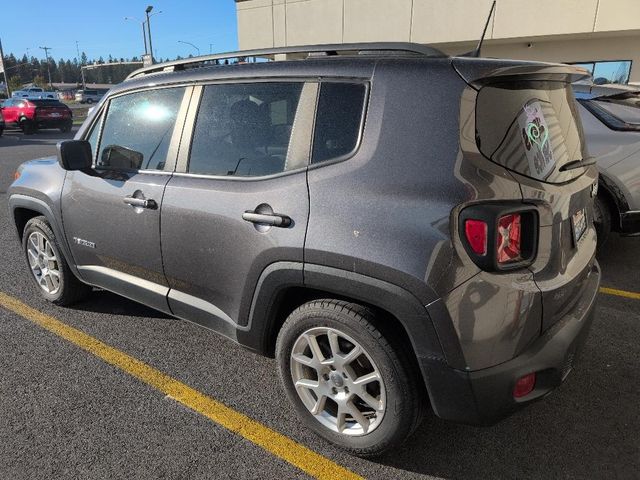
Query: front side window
[338,121]
[244,130]
[138,129]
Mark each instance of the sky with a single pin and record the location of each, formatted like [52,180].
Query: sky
[101,30]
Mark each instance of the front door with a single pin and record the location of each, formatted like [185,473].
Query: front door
[112,213]
[238,201]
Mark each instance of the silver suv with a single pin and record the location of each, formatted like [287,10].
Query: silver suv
[89,96]
[611,118]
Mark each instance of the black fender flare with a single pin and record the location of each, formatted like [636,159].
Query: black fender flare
[17,200]
[278,277]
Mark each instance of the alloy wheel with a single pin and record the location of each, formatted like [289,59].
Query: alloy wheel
[338,381]
[43,262]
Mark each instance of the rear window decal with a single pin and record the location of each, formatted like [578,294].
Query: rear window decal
[535,137]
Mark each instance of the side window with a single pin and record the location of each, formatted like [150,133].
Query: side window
[138,128]
[244,130]
[340,110]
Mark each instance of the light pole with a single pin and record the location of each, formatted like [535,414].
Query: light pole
[148,11]
[144,34]
[46,53]
[84,84]
[189,43]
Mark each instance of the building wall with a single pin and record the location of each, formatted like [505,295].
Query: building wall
[557,30]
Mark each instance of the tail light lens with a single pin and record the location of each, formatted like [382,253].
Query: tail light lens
[509,239]
[500,236]
[476,233]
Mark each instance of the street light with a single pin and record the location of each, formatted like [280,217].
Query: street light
[189,43]
[144,35]
[148,11]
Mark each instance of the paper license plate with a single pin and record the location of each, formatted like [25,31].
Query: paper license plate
[579,224]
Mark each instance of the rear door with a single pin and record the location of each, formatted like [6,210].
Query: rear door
[532,127]
[111,214]
[238,201]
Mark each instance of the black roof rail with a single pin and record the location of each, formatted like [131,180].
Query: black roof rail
[324,50]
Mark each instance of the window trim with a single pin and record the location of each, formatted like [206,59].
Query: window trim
[176,136]
[187,136]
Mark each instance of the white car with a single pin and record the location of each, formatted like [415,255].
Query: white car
[34,92]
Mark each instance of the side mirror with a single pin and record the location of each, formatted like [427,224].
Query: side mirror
[75,154]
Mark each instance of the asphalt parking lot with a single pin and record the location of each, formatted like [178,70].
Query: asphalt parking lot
[67,413]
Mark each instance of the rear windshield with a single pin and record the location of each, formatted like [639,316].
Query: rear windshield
[532,128]
[40,102]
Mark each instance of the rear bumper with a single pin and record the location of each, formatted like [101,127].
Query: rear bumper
[484,397]
[53,123]
[630,223]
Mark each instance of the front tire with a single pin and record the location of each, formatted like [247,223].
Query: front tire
[345,379]
[49,269]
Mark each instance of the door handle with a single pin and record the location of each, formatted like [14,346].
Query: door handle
[272,219]
[141,202]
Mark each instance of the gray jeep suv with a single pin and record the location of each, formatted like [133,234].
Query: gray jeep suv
[401,229]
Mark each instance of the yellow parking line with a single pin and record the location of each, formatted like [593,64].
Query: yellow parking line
[620,293]
[273,442]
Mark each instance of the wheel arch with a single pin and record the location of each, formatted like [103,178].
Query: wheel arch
[614,198]
[284,286]
[23,208]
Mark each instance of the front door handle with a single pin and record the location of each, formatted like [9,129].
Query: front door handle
[141,202]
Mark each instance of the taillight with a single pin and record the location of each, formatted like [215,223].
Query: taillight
[508,239]
[476,233]
[500,236]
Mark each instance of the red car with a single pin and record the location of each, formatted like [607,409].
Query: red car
[31,114]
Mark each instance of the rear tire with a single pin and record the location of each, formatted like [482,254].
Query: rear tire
[331,397]
[49,269]
[27,127]
[66,128]
[601,220]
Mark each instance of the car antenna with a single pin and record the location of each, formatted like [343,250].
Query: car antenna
[476,52]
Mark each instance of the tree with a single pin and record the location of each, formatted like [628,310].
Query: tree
[39,81]
[15,83]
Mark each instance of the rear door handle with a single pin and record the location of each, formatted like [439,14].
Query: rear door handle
[272,220]
[141,202]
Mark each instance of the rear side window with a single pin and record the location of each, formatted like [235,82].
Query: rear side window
[338,121]
[244,130]
[138,128]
